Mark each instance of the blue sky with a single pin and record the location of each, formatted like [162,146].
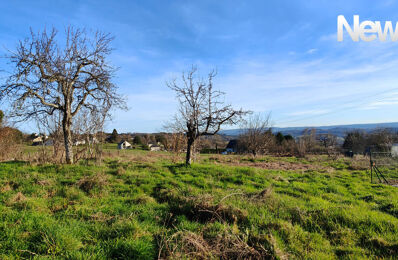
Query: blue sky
[271,56]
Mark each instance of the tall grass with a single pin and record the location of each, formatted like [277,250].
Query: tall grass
[141,205]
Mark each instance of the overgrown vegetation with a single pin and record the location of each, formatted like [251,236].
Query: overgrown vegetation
[139,204]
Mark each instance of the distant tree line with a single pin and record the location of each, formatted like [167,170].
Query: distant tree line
[359,142]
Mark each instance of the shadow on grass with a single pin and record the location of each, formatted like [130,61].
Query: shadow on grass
[15,163]
[113,164]
[175,167]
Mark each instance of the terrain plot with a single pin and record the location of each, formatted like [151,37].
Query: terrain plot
[139,204]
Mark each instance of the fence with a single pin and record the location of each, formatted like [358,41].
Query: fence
[383,167]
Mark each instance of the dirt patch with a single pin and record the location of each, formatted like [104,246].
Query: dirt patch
[393,183]
[285,166]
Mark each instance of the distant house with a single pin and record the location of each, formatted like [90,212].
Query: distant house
[90,140]
[79,142]
[232,146]
[155,148]
[124,145]
[39,139]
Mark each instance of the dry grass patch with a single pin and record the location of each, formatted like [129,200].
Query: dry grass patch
[88,183]
[225,245]
[17,198]
[5,187]
[101,217]
[45,182]
[202,208]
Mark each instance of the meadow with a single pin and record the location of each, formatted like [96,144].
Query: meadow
[144,205]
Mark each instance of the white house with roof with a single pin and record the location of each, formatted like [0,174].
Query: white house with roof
[124,145]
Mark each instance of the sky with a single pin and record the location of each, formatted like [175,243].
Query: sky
[280,57]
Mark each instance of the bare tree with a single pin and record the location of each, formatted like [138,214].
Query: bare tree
[256,136]
[201,109]
[307,142]
[327,140]
[51,125]
[87,128]
[176,143]
[51,76]
[175,139]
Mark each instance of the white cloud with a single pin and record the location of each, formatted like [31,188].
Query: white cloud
[311,51]
[332,37]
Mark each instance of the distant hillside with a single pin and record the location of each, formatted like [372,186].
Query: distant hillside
[338,130]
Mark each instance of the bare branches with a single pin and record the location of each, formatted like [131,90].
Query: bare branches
[50,75]
[256,136]
[66,77]
[201,107]
[201,111]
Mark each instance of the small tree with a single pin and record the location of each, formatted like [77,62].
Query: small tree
[10,142]
[257,136]
[88,127]
[160,138]
[355,141]
[279,138]
[65,77]
[327,140]
[289,137]
[201,109]
[307,141]
[114,136]
[51,125]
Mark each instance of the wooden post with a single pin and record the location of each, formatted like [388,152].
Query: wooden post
[371,166]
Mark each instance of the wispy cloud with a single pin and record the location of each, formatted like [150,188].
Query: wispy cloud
[389,100]
[331,84]
[311,51]
[309,112]
[270,56]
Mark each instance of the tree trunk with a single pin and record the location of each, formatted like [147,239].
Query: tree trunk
[66,125]
[188,158]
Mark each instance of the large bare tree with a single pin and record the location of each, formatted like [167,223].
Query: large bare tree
[202,110]
[66,76]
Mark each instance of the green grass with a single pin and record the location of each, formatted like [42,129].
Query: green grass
[141,210]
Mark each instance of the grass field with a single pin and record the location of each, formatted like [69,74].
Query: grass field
[141,205]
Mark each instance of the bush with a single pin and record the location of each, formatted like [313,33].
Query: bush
[10,142]
[137,140]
